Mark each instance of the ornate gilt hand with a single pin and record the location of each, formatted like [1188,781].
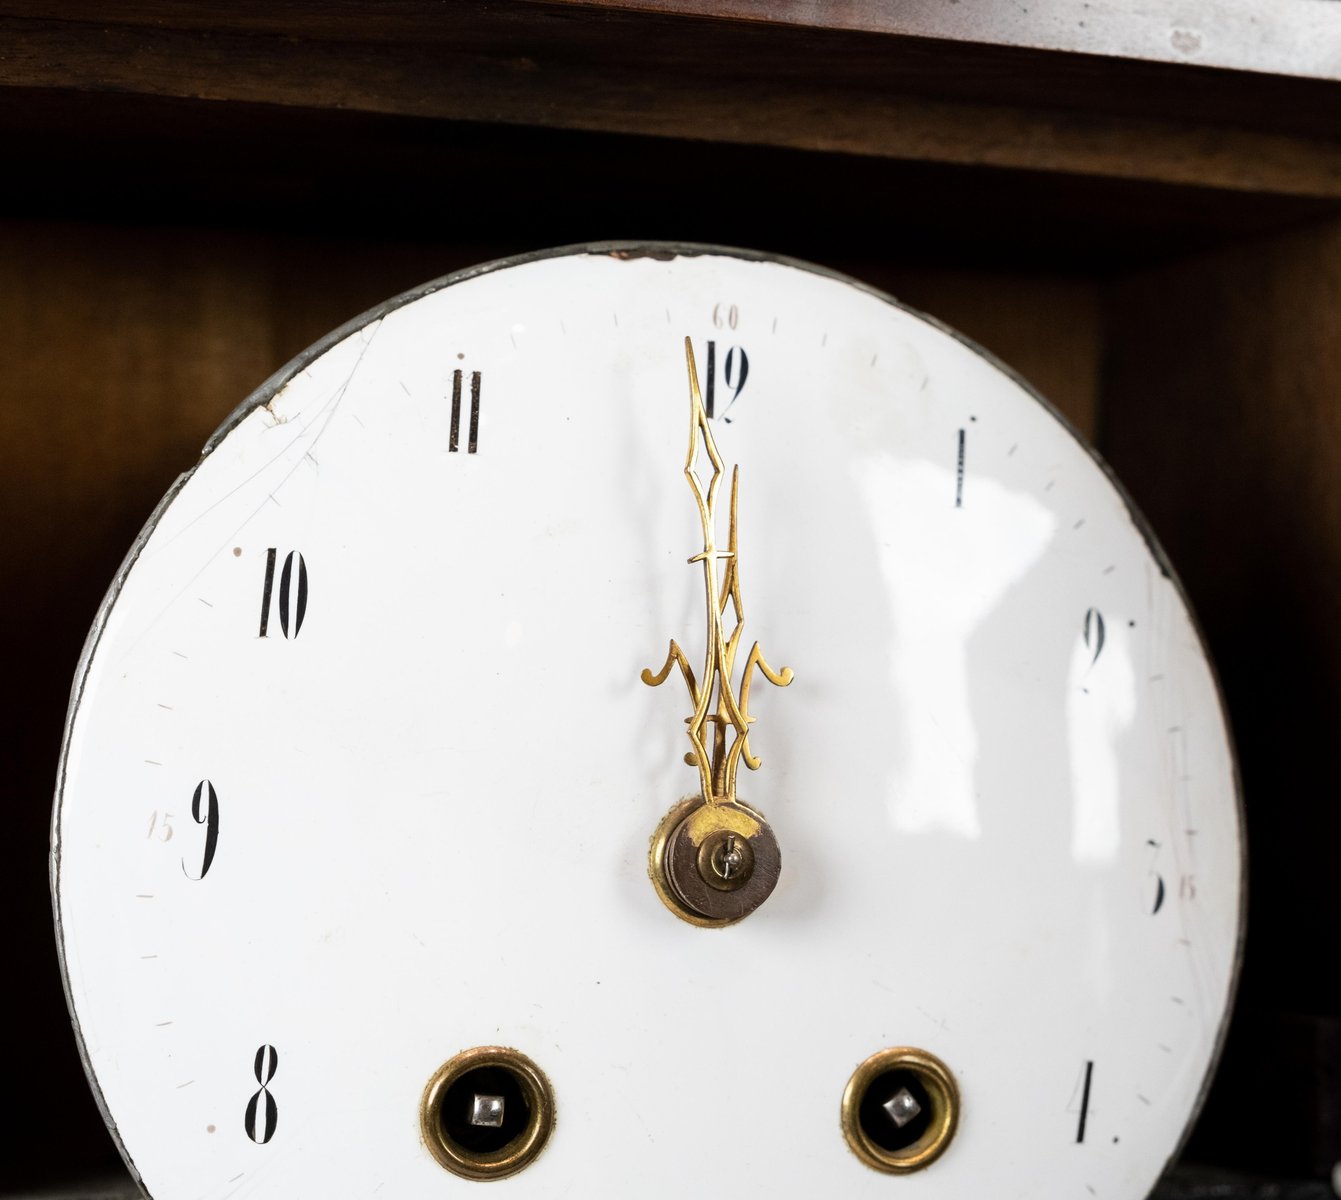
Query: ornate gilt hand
[715,698]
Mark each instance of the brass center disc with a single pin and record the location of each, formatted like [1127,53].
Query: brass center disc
[533,1090]
[688,861]
[925,1073]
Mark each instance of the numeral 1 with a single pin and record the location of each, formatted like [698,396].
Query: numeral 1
[292,593]
[1085,1100]
[959,472]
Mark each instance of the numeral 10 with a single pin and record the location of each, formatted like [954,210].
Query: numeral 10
[292,593]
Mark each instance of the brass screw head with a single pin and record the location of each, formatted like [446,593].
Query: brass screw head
[726,861]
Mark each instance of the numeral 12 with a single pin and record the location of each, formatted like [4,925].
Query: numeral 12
[735,371]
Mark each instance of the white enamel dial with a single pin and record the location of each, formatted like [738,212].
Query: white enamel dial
[360,772]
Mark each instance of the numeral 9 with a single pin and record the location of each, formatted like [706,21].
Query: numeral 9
[205,811]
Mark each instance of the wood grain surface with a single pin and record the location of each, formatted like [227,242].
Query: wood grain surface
[842,87]
[1222,414]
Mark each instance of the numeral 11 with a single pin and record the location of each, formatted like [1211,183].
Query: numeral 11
[454,437]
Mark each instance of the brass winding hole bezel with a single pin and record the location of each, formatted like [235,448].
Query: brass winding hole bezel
[935,1076]
[523,1149]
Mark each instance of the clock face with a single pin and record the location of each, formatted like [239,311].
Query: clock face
[361,773]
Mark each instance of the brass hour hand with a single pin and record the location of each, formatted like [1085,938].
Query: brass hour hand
[715,860]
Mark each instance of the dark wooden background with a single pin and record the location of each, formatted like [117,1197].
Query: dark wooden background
[194,197]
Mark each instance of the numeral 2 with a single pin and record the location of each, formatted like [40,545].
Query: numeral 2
[292,593]
[205,811]
[262,1104]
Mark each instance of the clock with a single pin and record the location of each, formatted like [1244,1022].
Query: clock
[379,869]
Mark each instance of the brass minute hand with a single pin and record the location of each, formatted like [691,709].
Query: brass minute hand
[717,769]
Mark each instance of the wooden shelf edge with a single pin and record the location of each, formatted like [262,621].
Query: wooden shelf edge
[1297,38]
[521,83]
